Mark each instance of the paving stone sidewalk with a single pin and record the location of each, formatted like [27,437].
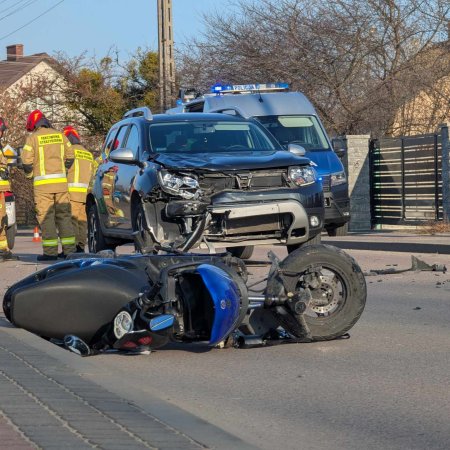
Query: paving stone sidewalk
[11,438]
[43,404]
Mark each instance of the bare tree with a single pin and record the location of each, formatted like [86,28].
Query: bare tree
[358,60]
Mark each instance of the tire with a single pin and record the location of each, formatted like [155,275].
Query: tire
[140,225]
[96,239]
[244,252]
[338,231]
[342,286]
[317,239]
[11,236]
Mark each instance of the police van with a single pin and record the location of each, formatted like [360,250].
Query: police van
[292,119]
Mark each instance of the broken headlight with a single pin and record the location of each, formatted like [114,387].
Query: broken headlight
[302,176]
[181,185]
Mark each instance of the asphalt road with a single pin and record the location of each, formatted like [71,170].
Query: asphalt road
[388,386]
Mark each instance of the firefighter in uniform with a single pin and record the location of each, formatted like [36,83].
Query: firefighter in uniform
[5,253]
[78,178]
[46,156]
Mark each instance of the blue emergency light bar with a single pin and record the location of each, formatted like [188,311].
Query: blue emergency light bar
[233,88]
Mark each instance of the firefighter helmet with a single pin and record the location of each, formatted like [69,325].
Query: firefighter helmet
[71,130]
[33,118]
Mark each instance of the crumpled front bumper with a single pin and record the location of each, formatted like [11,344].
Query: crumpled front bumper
[277,222]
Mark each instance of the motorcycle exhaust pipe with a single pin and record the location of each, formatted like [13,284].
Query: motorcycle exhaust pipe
[250,341]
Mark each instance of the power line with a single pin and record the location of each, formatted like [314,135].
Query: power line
[4,1]
[28,3]
[5,8]
[31,21]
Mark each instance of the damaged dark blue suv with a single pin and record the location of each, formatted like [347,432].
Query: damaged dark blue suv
[201,180]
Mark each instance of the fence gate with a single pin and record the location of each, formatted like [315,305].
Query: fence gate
[406,185]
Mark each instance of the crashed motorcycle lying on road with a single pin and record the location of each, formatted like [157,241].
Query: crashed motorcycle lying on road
[137,303]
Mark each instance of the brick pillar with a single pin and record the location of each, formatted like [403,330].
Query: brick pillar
[358,172]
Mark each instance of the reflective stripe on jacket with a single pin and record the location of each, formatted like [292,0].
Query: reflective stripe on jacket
[5,185]
[80,174]
[47,151]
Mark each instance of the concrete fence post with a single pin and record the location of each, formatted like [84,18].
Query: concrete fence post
[445,172]
[358,173]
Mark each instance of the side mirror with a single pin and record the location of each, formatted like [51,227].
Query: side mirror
[297,149]
[123,156]
[339,147]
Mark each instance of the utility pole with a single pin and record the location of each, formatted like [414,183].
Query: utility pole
[166,57]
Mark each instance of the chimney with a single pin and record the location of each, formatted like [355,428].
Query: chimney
[14,52]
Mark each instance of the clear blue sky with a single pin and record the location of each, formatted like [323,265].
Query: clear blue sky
[96,25]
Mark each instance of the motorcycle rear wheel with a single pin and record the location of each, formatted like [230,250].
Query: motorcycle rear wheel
[338,300]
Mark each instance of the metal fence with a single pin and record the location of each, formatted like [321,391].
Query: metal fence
[406,180]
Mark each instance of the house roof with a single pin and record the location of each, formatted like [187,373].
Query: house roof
[11,71]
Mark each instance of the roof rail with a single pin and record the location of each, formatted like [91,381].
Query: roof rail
[144,111]
[237,110]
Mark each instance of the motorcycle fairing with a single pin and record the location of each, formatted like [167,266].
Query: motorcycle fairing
[226,301]
[82,297]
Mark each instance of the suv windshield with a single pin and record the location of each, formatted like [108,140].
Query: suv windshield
[302,130]
[208,137]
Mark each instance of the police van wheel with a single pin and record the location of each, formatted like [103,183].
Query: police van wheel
[11,236]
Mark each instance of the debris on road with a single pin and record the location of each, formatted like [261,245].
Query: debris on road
[416,265]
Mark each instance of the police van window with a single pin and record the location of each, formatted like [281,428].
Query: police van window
[303,130]
[133,141]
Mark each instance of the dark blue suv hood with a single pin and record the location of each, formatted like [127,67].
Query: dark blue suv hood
[230,161]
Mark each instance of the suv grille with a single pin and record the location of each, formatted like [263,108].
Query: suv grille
[244,180]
